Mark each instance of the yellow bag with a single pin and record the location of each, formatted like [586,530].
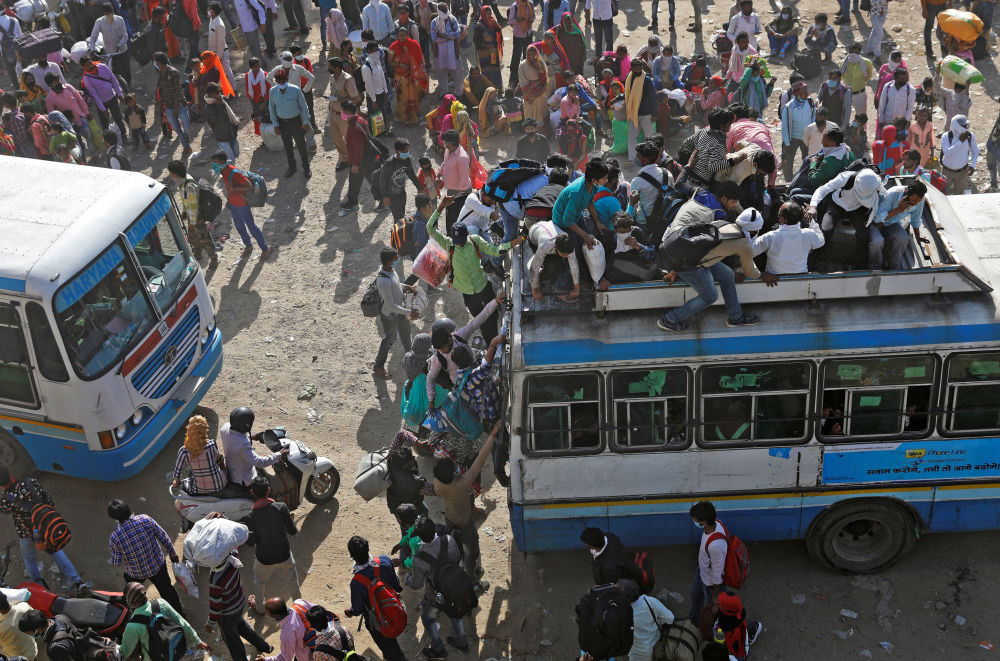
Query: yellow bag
[963,25]
[63,24]
[378,123]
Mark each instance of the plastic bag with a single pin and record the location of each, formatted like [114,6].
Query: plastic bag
[378,123]
[373,474]
[413,405]
[620,131]
[963,25]
[16,596]
[595,261]
[959,71]
[416,300]
[432,264]
[210,541]
[184,573]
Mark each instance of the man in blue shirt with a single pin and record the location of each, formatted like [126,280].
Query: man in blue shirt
[290,117]
[887,235]
[567,213]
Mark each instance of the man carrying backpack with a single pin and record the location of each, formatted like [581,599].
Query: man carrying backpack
[435,568]
[715,567]
[237,185]
[154,630]
[376,576]
[198,234]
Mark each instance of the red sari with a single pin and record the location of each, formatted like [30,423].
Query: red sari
[411,79]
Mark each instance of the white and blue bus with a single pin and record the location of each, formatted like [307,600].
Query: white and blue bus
[861,412]
[107,333]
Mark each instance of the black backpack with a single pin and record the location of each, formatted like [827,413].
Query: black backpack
[507,176]
[89,645]
[541,203]
[604,618]
[808,63]
[860,164]
[456,591]
[402,237]
[140,46]
[166,637]
[119,153]
[371,302]
[209,204]
[179,22]
[684,248]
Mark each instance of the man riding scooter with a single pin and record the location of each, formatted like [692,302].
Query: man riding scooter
[241,461]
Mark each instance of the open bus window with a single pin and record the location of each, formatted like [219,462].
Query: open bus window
[876,396]
[755,402]
[564,412]
[973,392]
[50,362]
[167,264]
[100,312]
[15,368]
[650,408]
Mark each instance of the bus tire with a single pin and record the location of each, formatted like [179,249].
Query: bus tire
[13,456]
[862,536]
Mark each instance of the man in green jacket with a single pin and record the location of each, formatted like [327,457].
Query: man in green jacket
[136,635]
[467,275]
[827,164]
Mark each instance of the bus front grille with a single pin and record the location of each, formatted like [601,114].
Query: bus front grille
[167,364]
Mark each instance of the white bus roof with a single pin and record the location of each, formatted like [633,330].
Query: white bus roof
[55,218]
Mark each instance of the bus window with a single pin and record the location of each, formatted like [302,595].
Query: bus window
[166,262]
[755,402]
[650,408]
[973,392]
[876,396]
[47,355]
[100,312]
[564,412]
[15,369]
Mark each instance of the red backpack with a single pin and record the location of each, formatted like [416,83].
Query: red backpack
[737,566]
[388,612]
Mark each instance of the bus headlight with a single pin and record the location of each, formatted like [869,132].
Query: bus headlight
[204,336]
[211,325]
[121,430]
[137,417]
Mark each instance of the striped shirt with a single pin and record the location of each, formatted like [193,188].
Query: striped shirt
[225,592]
[189,197]
[137,544]
[206,473]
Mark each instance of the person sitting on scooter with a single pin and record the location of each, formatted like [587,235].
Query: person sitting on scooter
[201,455]
[241,461]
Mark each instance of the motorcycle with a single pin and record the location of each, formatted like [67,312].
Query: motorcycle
[300,474]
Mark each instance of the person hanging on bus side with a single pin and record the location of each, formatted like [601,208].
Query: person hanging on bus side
[483,395]
[554,251]
[707,585]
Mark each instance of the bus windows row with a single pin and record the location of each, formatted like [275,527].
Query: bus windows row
[766,403]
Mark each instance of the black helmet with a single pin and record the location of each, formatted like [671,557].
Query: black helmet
[441,332]
[241,420]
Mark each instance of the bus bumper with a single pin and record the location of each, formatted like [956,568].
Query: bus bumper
[128,460]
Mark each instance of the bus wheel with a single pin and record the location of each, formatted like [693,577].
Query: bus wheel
[862,536]
[13,456]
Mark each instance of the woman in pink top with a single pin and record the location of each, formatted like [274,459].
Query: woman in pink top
[748,131]
[922,134]
[65,97]
[455,167]
[569,107]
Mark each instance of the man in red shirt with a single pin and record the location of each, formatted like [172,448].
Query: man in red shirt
[359,157]
[236,186]
[191,9]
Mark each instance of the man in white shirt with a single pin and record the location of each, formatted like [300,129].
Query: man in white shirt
[788,247]
[41,68]
[10,29]
[217,38]
[115,34]
[897,98]
[478,212]
[376,89]
[813,135]
[377,17]
[853,196]
[603,23]
[746,21]
[552,248]
[959,155]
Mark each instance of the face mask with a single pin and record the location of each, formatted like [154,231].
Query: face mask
[833,83]
[594,552]
[405,155]
[854,58]
[285,64]
[298,58]
[697,524]
[217,167]
[282,86]
[786,16]
[209,99]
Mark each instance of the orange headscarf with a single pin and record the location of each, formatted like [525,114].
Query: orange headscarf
[209,60]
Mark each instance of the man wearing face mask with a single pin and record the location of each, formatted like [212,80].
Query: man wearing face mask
[783,33]
[836,98]
[959,155]
[377,17]
[445,33]
[897,98]
[290,117]
[610,563]
[746,21]
[63,97]
[856,71]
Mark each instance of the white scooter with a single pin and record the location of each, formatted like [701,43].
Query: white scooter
[301,474]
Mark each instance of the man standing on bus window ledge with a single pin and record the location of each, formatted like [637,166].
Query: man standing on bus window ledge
[708,582]
[236,185]
[16,500]
[198,234]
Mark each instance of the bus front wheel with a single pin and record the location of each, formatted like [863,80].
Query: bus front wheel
[13,456]
[862,536]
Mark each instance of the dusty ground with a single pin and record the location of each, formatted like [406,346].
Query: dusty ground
[295,320]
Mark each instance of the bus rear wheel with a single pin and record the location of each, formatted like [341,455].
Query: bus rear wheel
[13,456]
[862,536]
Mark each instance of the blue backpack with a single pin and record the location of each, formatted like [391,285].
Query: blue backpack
[456,414]
[166,637]
[507,176]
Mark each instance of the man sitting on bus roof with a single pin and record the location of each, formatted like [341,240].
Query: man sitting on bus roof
[888,238]
[789,245]
[554,251]
[853,196]
[567,213]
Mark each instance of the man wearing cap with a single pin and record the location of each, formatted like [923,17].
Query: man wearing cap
[467,274]
[853,196]
[290,117]
[342,88]
[135,638]
[796,115]
[959,154]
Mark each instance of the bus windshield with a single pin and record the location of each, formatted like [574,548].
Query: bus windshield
[167,265]
[101,311]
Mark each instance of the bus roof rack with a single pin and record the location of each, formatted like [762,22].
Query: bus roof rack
[961,258]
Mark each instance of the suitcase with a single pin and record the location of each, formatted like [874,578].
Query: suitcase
[38,44]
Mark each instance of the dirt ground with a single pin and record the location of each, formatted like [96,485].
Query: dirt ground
[295,320]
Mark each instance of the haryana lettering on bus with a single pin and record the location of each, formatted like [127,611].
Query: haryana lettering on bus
[743,380]
[87,280]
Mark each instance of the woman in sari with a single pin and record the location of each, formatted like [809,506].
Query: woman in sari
[451,121]
[533,80]
[411,78]
[468,138]
[489,46]
[209,61]
[435,118]
[36,93]
[554,59]
[571,39]
[491,114]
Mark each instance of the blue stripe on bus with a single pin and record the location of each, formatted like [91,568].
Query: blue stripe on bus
[168,383]
[12,284]
[594,351]
[153,362]
[784,516]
